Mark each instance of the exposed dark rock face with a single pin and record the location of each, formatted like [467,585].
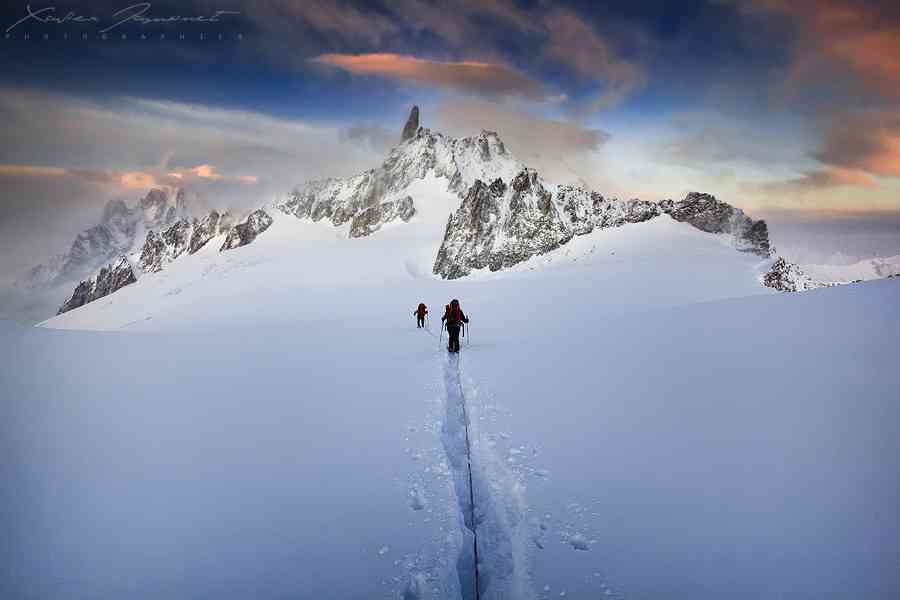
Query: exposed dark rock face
[411,126]
[207,228]
[246,231]
[499,225]
[112,277]
[787,277]
[707,214]
[587,211]
[497,228]
[183,236]
[152,253]
[370,220]
[177,237]
[162,248]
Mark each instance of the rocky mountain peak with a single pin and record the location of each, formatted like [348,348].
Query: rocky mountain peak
[154,205]
[246,231]
[411,126]
[114,209]
[499,225]
[786,276]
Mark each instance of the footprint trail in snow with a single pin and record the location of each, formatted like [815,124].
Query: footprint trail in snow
[490,499]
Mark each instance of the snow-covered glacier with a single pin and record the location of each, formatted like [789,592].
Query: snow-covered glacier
[646,420]
[633,414]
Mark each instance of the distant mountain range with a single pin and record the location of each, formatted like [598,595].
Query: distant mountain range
[507,214]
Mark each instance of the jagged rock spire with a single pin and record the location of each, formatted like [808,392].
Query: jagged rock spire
[412,124]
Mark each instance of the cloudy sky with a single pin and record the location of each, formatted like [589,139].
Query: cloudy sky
[789,109]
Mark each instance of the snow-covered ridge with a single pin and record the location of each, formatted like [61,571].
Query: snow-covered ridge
[506,214]
[499,225]
[120,229]
[159,249]
[790,277]
[460,161]
[873,268]
[112,277]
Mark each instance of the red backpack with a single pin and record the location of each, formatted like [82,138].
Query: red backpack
[454,314]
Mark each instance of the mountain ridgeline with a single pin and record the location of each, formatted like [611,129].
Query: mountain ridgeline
[507,214]
[120,228]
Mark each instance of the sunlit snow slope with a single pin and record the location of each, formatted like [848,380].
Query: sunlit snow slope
[300,270]
[646,421]
[873,268]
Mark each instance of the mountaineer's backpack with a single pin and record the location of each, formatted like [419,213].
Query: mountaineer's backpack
[454,315]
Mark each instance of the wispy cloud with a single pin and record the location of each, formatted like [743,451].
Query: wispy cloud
[81,153]
[862,36]
[858,45]
[574,44]
[496,48]
[566,151]
[472,77]
[124,181]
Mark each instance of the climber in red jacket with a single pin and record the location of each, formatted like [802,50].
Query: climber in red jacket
[420,314]
[454,318]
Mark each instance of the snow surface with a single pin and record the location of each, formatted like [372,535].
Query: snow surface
[865,270]
[646,421]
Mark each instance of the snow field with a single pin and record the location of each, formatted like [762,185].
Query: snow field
[640,426]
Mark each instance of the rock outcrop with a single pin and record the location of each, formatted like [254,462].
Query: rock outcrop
[246,231]
[207,228]
[586,211]
[411,126]
[182,236]
[424,153]
[786,276]
[370,220]
[112,277]
[708,214]
[498,226]
[162,248]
